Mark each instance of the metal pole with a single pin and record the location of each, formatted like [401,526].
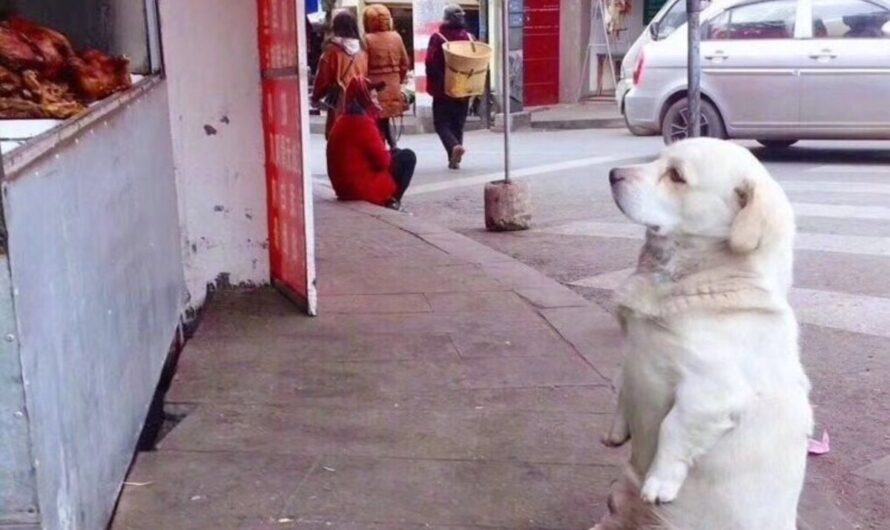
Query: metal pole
[505,82]
[693,9]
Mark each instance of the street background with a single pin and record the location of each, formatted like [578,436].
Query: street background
[841,194]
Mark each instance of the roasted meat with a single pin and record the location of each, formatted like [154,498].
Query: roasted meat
[96,75]
[41,76]
[10,82]
[13,108]
[56,99]
[54,48]
[15,50]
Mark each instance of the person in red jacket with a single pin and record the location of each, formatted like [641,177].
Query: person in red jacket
[359,165]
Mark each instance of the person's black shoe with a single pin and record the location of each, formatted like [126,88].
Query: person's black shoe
[394,204]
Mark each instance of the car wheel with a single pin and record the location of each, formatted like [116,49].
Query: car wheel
[776,144]
[634,130]
[676,120]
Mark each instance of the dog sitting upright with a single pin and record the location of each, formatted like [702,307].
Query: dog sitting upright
[713,398]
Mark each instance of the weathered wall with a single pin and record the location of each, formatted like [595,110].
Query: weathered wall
[18,486]
[98,286]
[574,32]
[115,26]
[212,64]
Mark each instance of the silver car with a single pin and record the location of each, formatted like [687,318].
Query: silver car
[671,16]
[777,71]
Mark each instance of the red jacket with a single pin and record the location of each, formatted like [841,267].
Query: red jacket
[358,161]
[435,57]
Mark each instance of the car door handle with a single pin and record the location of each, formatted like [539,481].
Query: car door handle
[717,56]
[824,55]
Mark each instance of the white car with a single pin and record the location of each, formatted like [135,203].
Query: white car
[671,16]
[776,71]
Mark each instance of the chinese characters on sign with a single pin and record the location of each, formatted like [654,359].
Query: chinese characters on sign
[283,140]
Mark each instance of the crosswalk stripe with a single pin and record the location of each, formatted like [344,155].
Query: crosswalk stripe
[841,211]
[843,311]
[543,169]
[834,186]
[843,244]
[849,168]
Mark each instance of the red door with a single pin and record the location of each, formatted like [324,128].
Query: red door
[291,235]
[540,48]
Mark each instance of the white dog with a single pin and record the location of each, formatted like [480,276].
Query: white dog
[713,397]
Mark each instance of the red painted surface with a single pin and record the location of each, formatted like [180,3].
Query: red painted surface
[541,52]
[284,150]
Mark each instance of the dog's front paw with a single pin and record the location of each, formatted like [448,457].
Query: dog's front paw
[660,491]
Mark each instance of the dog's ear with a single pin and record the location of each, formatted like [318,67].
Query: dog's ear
[764,216]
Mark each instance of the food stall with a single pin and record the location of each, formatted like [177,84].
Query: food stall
[134,184]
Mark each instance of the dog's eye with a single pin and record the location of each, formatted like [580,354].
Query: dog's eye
[675,176]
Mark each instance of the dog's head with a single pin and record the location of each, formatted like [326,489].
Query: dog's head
[706,188]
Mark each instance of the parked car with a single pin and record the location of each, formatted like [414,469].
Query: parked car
[671,16]
[777,71]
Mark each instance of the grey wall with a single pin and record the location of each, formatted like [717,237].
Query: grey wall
[574,34]
[94,247]
[18,494]
[114,26]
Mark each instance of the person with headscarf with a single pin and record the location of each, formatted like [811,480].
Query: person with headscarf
[387,63]
[449,114]
[343,60]
[359,165]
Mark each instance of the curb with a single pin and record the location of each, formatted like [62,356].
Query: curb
[590,330]
[566,125]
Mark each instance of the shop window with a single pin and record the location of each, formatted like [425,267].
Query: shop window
[60,58]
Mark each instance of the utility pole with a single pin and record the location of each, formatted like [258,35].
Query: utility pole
[508,203]
[693,10]
[505,83]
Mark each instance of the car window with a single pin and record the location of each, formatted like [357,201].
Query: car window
[849,19]
[773,19]
[675,17]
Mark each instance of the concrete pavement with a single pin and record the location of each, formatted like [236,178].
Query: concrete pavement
[444,385]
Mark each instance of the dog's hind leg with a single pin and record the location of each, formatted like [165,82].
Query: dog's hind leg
[619,432]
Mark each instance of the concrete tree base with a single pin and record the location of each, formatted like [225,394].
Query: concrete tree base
[508,206]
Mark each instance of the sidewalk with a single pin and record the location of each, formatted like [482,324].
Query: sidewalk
[444,386]
[434,391]
[600,113]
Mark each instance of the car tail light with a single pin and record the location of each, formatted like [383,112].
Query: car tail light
[638,68]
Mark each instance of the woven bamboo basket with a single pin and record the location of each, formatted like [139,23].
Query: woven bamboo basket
[466,63]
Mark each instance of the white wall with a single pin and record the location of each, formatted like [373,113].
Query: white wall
[212,64]
[98,288]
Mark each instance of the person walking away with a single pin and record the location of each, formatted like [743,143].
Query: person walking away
[388,64]
[343,60]
[359,165]
[449,114]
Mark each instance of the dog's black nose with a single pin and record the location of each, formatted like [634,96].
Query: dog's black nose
[615,176]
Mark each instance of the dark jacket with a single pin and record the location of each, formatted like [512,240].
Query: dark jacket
[435,57]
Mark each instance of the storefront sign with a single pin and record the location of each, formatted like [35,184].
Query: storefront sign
[290,233]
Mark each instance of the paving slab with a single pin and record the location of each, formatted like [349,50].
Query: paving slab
[488,494]
[431,392]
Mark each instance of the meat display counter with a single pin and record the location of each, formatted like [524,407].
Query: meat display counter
[45,80]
